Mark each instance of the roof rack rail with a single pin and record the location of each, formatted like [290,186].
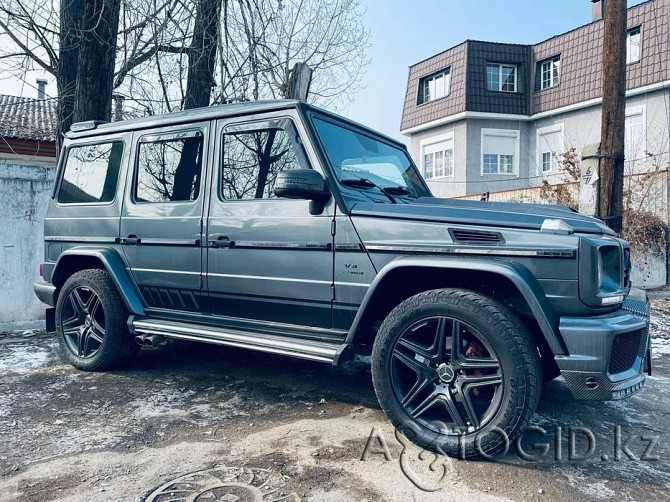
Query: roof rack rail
[87,125]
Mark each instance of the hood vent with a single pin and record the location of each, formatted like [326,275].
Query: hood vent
[463,236]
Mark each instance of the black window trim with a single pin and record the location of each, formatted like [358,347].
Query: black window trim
[247,125]
[63,164]
[155,138]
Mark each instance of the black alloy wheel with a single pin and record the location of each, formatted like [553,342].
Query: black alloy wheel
[91,322]
[456,372]
[83,322]
[444,372]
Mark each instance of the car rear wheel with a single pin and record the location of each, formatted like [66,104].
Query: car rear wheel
[456,372]
[91,322]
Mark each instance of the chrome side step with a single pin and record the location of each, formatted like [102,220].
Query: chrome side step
[304,349]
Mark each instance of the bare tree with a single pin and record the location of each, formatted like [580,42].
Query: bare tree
[202,54]
[264,39]
[96,57]
[165,46]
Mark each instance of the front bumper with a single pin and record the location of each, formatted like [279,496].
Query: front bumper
[607,353]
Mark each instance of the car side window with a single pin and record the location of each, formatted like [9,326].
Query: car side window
[91,173]
[169,168]
[253,155]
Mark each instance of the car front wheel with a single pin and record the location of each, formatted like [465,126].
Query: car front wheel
[456,372]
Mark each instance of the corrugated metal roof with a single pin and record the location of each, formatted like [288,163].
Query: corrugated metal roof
[31,119]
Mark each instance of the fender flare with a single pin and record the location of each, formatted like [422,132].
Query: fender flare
[114,266]
[517,274]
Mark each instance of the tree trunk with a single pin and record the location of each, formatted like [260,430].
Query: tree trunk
[71,13]
[613,119]
[202,54]
[97,53]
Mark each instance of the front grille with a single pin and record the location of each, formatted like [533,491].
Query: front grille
[463,236]
[625,349]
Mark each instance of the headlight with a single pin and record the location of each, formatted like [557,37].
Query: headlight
[609,269]
[603,273]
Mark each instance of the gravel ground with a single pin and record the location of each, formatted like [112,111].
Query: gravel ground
[194,422]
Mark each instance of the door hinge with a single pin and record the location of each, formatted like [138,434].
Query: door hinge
[332,292]
[332,227]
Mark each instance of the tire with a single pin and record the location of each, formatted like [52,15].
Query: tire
[91,322]
[441,402]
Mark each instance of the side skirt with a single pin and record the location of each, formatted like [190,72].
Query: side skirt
[322,351]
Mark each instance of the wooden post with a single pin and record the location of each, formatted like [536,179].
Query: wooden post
[613,116]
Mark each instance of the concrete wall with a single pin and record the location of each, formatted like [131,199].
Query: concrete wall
[24,192]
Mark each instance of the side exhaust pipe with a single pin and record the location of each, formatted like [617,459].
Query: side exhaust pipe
[150,340]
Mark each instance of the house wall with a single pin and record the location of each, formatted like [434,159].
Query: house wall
[452,186]
[25,188]
[579,128]
[480,183]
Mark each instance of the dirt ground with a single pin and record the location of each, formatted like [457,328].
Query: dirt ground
[194,422]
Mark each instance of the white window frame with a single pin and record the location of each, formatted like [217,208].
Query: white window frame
[553,82]
[631,112]
[543,131]
[500,76]
[433,141]
[506,133]
[637,29]
[446,73]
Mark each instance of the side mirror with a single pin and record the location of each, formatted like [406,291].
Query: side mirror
[303,184]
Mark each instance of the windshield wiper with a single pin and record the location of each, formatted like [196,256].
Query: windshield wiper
[366,183]
[400,190]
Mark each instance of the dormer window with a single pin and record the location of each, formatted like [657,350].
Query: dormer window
[435,86]
[633,45]
[549,72]
[501,77]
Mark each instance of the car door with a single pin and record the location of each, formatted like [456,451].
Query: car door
[268,258]
[161,222]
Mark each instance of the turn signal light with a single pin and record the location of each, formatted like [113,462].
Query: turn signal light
[41,269]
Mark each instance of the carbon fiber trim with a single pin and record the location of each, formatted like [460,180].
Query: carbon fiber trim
[637,303]
[601,388]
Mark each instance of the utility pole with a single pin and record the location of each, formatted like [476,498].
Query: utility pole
[614,116]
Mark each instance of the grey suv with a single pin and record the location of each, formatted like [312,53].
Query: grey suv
[283,228]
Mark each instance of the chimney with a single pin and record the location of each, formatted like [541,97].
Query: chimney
[118,107]
[41,87]
[597,10]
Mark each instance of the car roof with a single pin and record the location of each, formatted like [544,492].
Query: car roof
[210,113]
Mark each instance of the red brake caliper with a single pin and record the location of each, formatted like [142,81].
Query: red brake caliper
[475,351]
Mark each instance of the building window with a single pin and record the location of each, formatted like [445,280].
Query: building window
[549,72]
[635,146]
[633,45]
[435,86]
[500,151]
[549,143]
[438,157]
[501,77]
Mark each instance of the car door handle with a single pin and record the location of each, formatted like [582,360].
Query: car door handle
[131,239]
[222,242]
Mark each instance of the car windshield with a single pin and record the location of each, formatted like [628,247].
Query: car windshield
[366,163]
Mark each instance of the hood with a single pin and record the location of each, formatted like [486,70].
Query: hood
[469,212]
